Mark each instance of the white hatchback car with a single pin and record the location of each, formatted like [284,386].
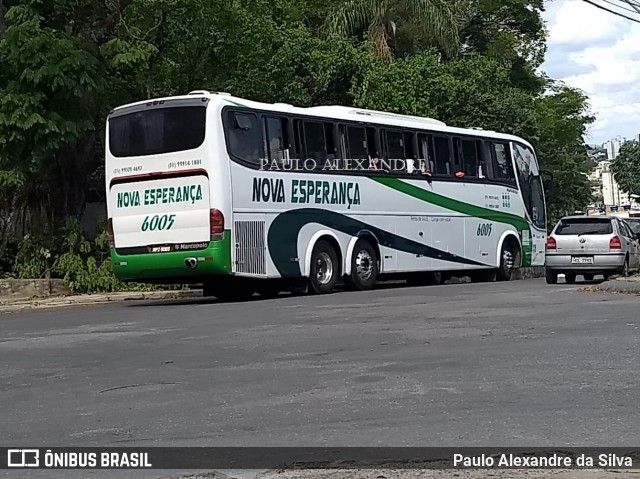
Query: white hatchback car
[591,245]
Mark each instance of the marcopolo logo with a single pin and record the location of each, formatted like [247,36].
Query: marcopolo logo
[23,458]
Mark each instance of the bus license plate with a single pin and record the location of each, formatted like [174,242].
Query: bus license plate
[582,260]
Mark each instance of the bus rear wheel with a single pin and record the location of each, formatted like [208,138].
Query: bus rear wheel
[324,268]
[364,266]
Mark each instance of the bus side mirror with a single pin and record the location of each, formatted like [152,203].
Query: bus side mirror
[549,184]
[549,189]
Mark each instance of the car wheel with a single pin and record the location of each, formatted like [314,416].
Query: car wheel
[364,266]
[624,272]
[588,277]
[507,262]
[551,277]
[324,268]
[570,278]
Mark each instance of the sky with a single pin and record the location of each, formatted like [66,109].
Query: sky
[599,53]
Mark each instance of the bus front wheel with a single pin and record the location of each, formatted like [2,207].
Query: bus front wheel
[364,266]
[324,268]
[508,259]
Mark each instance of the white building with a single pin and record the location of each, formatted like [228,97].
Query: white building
[613,147]
[607,186]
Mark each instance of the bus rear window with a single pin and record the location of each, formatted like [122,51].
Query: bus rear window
[156,131]
[584,227]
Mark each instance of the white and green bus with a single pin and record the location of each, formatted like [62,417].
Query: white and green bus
[249,197]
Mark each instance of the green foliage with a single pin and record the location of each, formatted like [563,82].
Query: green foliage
[562,117]
[626,168]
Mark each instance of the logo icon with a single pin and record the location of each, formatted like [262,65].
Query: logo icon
[23,458]
[583,240]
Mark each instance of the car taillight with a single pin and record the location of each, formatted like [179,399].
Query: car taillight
[216,221]
[110,235]
[615,243]
[551,243]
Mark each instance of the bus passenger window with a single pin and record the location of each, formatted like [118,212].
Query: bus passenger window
[277,140]
[357,143]
[502,169]
[442,149]
[395,146]
[425,154]
[410,152]
[245,137]
[470,158]
[315,146]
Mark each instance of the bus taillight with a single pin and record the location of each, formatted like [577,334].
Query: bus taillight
[110,236]
[216,221]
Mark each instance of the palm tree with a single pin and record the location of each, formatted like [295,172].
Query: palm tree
[378,18]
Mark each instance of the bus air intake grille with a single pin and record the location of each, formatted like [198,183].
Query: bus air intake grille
[250,247]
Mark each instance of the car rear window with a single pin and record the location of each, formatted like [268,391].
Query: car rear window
[584,227]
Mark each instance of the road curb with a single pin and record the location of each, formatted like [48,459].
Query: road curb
[87,299]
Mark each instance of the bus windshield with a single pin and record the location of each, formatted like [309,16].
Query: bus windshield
[530,184]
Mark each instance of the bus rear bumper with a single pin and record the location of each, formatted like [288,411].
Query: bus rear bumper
[175,267]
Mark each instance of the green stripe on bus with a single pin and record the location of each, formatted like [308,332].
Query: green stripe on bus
[453,205]
[520,224]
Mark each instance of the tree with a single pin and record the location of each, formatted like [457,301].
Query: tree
[48,87]
[626,168]
[562,117]
[379,19]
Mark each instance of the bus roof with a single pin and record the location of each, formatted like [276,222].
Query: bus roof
[336,112]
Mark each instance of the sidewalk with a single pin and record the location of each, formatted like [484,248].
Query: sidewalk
[630,285]
[19,304]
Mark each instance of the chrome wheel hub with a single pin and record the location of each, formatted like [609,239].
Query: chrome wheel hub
[364,265]
[507,260]
[324,268]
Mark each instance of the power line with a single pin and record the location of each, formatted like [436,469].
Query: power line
[632,9]
[613,11]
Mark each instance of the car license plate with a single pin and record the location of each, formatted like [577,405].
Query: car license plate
[582,260]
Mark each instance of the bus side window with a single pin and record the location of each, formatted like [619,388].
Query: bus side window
[410,146]
[442,149]
[502,168]
[470,159]
[357,146]
[277,139]
[425,153]
[315,142]
[245,137]
[395,148]
[486,160]
[332,147]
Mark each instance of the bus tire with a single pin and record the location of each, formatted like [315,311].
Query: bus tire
[508,257]
[325,268]
[228,289]
[364,266]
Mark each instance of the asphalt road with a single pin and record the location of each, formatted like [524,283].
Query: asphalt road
[493,364]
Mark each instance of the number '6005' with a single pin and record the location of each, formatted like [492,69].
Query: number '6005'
[484,229]
[158,222]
